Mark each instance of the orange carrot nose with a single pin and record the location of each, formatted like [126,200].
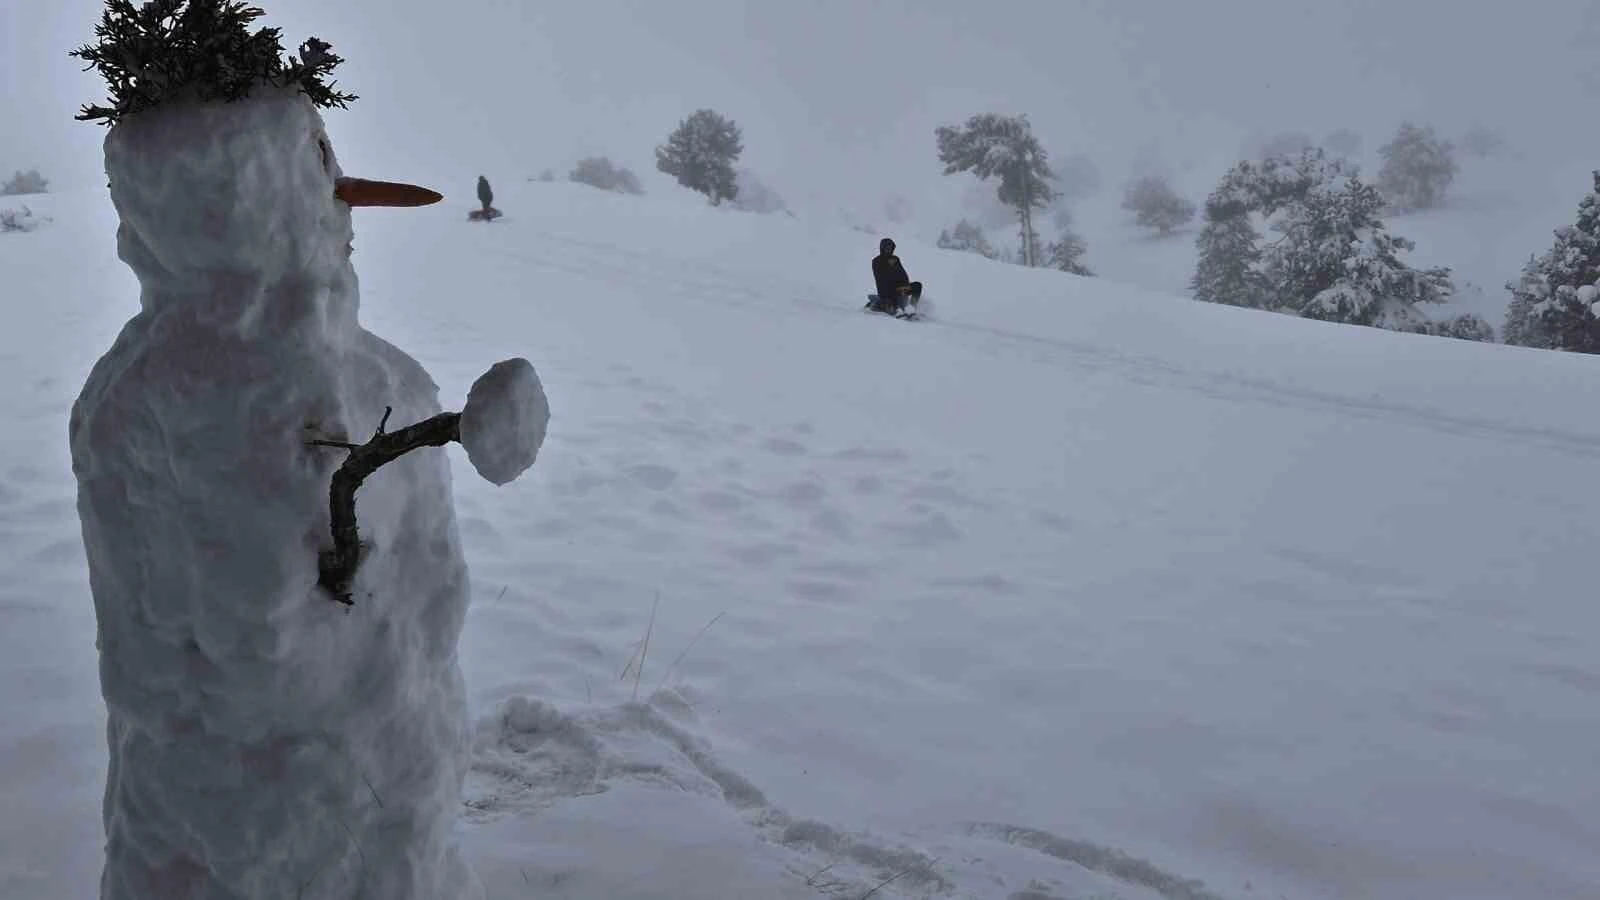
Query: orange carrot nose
[361,192]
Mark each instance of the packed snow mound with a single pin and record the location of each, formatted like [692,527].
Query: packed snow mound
[504,422]
[218,198]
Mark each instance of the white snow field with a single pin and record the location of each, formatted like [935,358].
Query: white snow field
[1075,590]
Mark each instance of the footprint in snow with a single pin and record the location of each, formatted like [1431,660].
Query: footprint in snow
[803,493]
[721,501]
[784,447]
[872,454]
[868,484]
[654,477]
[930,528]
[833,523]
[529,755]
[821,591]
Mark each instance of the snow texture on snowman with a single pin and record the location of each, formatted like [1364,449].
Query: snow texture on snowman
[286,711]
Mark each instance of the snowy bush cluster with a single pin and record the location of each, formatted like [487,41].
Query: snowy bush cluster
[17,220]
[1334,258]
[968,238]
[25,182]
[754,195]
[600,172]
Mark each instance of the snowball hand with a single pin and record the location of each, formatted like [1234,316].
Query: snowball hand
[503,424]
[502,428]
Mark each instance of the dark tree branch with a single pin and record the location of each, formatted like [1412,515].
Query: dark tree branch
[336,568]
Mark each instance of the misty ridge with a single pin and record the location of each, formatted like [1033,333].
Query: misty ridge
[1120,148]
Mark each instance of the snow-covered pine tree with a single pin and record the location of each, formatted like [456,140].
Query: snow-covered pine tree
[1156,205]
[1066,254]
[1556,303]
[1066,251]
[1418,167]
[991,145]
[1337,261]
[967,238]
[701,153]
[1465,327]
[1225,271]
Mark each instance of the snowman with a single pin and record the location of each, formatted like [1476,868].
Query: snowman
[277,572]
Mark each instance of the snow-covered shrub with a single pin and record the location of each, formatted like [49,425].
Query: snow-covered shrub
[18,220]
[1156,205]
[701,153]
[1335,259]
[1465,327]
[1417,168]
[1554,304]
[754,195]
[25,182]
[967,238]
[600,172]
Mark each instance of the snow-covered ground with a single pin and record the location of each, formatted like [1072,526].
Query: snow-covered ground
[1077,590]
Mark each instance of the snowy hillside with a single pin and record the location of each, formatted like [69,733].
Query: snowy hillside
[1499,212]
[1076,590]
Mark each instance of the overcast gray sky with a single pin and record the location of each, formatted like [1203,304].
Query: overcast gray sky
[847,92]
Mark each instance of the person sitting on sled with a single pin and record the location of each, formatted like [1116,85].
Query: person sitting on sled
[895,287]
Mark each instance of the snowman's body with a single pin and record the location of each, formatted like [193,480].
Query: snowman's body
[265,741]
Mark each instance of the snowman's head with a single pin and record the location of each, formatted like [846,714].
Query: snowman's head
[248,190]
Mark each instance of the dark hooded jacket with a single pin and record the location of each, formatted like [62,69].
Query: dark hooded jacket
[485,195]
[887,271]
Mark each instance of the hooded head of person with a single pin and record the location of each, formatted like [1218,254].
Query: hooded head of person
[886,247]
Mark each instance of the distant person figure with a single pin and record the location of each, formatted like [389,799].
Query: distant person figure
[895,287]
[485,195]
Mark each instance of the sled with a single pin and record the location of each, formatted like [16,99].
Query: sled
[487,214]
[875,305]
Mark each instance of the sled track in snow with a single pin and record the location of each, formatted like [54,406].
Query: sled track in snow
[666,274]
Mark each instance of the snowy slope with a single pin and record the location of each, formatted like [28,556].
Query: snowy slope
[1497,213]
[1079,590]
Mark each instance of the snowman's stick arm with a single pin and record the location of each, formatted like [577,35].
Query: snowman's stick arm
[337,569]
